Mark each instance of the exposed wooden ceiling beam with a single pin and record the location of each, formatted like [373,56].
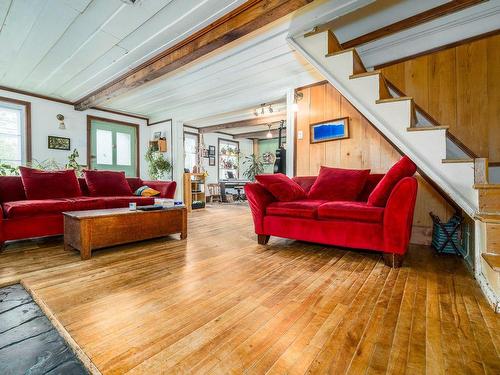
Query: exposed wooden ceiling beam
[243,123]
[260,134]
[248,17]
[418,19]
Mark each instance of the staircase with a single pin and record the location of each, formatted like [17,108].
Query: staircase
[438,154]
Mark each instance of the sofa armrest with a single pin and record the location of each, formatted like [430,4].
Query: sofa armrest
[258,199]
[398,216]
[166,188]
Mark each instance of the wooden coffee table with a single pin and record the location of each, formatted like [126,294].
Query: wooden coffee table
[94,229]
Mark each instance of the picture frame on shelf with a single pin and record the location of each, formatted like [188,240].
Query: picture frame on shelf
[329,130]
[59,143]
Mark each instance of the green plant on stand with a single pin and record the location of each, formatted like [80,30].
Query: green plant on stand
[73,164]
[254,166]
[8,170]
[158,165]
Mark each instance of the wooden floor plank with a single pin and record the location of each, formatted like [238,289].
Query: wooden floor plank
[220,303]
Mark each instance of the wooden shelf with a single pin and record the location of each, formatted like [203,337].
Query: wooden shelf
[194,190]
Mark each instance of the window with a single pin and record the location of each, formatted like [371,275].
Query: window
[190,150]
[229,154]
[14,138]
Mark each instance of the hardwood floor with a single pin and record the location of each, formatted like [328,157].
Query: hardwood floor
[220,303]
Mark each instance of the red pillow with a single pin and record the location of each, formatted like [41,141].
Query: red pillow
[49,184]
[336,184]
[403,168]
[107,183]
[282,187]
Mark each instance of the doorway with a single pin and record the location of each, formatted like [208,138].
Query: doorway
[113,145]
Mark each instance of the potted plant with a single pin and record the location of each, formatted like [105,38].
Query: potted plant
[254,166]
[73,164]
[158,165]
[8,170]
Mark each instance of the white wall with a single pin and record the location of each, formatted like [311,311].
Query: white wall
[44,123]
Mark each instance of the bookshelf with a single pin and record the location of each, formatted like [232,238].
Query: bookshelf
[194,191]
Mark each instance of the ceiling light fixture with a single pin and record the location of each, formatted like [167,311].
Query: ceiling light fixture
[269,134]
[263,109]
[296,98]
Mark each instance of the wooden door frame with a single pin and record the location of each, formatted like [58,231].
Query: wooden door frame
[27,125]
[118,122]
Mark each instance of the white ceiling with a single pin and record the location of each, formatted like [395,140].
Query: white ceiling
[68,48]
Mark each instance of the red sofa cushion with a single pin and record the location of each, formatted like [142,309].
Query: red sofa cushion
[336,184]
[281,187]
[49,184]
[357,211]
[403,168]
[371,182]
[117,202]
[107,183]
[301,208]
[305,182]
[25,208]
[11,189]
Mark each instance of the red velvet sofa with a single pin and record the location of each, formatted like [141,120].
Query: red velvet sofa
[352,224]
[23,218]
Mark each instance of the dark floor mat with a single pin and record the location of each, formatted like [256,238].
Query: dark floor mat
[29,343]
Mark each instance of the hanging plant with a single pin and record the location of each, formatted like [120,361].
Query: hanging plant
[158,165]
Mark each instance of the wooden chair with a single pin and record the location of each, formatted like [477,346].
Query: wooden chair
[214,193]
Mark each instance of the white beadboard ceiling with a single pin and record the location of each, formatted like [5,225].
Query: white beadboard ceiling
[68,48]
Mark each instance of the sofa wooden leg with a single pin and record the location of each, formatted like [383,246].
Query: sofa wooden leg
[393,260]
[262,239]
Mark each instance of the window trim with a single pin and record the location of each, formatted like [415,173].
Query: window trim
[118,122]
[27,124]
[184,145]
[218,156]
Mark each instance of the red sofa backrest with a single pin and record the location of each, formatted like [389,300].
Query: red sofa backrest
[373,179]
[12,189]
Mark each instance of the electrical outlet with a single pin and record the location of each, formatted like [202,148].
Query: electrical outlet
[300,134]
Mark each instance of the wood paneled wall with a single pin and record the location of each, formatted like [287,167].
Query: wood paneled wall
[365,148]
[459,87]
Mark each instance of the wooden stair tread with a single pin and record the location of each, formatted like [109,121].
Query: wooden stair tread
[488,218]
[365,74]
[424,128]
[340,52]
[486,186]
[493,260]
[451,161]
[398,99]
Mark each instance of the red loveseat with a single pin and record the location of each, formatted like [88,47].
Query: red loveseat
[359,223]
[23,218]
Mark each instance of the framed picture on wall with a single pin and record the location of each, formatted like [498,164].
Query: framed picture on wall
[59,143]
[211,150]
[330,130]
[211,161]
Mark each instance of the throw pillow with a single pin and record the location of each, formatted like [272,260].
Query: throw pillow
[336,184]
[281,187]
[49,184]
[146,191]
[106,183]
[403,168]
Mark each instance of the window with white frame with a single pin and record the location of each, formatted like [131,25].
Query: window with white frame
[12,133]
[190,150]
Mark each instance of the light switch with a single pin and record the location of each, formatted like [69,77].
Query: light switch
[300,134]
